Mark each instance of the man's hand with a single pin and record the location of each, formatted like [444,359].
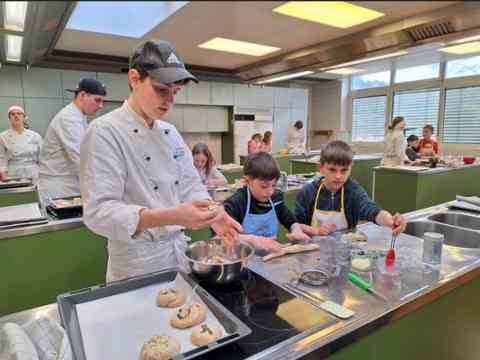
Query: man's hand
[196,214]
[224,225]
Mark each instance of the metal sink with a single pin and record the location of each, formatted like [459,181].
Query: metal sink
[454,236]
[457,219]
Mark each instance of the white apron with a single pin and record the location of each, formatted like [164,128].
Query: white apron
[336,217]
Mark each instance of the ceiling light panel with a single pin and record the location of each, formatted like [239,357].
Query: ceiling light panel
[467,48]
[238,47]
[467,39]
[345,71]
[14,47]
[122,18]
[285,77]
[339,14]
[14,15]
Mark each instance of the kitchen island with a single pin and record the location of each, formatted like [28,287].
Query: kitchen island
[362,169]
[406,188]
[431,314]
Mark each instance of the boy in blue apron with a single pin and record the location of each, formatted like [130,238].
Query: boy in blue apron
[259,206]
[337,202]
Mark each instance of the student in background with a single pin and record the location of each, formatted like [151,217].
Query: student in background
[412,148]
[266,144]
[428,146]
[205,165]
[254,143]
[395,143]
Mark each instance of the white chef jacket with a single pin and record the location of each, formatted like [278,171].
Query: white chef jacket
[124,167]
[395,145]
[296,140]
[19,153]
[60,155]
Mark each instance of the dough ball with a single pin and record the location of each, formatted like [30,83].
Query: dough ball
[188,315]
[170,297]
[160,348]
[204,334]
[361,264]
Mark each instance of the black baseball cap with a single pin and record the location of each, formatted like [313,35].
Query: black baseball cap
[159,59]
[90,86]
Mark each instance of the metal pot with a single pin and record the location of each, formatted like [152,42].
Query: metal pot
[199,253]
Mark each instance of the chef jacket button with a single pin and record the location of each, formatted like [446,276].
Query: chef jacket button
[148,158]
[175,156]
[166,132]
[177,182]
[135,130]
[155,188]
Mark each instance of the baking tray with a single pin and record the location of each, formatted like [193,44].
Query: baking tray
[69,306]
[15,182]
[64,212]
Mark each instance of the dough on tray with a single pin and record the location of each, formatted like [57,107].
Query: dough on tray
[188,315]
[160,348]
[204,334]
[170,297]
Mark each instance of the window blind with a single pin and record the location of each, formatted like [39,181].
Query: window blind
[368,118]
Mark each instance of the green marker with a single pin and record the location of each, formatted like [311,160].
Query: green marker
[362,284]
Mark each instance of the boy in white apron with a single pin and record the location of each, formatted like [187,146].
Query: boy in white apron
[336,201]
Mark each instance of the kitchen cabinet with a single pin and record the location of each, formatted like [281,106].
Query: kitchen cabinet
[241,95]
[198,93]
[5,103]
[11,81]
[70,80]
[262,96]
[41,112]
[42,83]
[222,93]
[195,118]
[281,97]
[175,117]
[116,85]
[281,122]
[217,119]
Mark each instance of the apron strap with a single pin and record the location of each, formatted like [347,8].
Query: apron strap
[342,202]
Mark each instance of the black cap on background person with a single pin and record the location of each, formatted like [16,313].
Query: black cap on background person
[90,86]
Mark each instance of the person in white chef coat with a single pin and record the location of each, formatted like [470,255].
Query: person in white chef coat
[395,143]
[60,155]
[139,186]
[296,141]
[19,147]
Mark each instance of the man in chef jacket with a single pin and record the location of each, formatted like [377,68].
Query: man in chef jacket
[60,154]
[139,186]
[296,141]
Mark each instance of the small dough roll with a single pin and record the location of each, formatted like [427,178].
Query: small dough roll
[204,334]
[170,297]
[188,315]
[160,348]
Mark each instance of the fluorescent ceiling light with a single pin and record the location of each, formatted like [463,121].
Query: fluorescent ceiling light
[14,47]
[470,38]
[238,47]
[467,48]
[14,15]
[345,71]
[366,60]
[338,14]
[285,77]
[122,18]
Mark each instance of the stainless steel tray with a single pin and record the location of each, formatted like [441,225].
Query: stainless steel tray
[15,182]
[68,303]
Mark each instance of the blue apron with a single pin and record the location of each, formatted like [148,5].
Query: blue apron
[260,224]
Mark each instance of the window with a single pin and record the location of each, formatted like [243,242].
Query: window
[422,72]
[463,67]
[418,107]
[374,80]
[368,118]
[462,113]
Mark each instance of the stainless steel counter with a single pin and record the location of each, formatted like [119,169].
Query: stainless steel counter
[412,170]
[419,285]
[52,225]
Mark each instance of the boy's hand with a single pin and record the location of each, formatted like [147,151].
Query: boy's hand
[325,228]
[267,243]
[297,233]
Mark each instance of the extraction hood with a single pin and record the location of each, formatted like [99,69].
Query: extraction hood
[446,24]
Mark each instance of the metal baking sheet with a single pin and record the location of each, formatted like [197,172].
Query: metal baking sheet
[127,312]
[15,182]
